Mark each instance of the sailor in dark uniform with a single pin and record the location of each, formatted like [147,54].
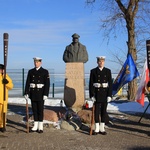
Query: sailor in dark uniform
[100,91]
[37,89]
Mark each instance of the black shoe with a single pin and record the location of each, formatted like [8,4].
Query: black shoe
[103,133]
[33,130]
[3,130]
[40,131]
[95,133]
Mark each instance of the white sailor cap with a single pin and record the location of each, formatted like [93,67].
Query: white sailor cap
[101,58]
[37,59]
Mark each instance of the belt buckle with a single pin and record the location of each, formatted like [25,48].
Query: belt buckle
[99,85]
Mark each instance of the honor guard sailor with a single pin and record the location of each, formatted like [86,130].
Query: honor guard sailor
[37,89]
[3,104]
[100,89]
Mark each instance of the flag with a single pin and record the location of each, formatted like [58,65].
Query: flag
[126,74]
[140,95]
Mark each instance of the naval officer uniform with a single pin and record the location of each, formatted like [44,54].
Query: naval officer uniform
[100,91]
[37,89]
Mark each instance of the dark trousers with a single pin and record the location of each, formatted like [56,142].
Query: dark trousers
[37,109]
[100,109]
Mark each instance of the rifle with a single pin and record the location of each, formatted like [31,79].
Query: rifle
[92,118]
[27,116]
[5,41]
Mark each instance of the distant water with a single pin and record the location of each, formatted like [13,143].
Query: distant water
[19,76]
[56,82]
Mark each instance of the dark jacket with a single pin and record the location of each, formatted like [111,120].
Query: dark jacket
[75,56]
[98,76]
[40,76]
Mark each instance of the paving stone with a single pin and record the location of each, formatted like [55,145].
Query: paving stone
[125,134]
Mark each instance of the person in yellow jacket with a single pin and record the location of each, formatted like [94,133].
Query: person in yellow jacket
[8,86]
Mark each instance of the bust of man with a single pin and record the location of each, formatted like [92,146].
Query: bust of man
[75,52]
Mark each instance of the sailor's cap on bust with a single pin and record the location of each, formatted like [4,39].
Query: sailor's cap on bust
[1,66]
[75,35]
[100,57]
[37,59]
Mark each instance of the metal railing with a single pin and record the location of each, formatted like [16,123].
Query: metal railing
[19,76]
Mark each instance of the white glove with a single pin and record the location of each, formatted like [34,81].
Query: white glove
[45,97]
[93,99]
[26,96]
[108,99]
[96,85]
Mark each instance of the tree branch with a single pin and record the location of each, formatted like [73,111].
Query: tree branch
[135,7]
[121,6]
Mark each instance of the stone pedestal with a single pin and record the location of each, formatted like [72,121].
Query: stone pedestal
[74,92]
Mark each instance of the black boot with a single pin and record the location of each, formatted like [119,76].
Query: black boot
[94,133]
[40,131]
[103,133]
[3,130]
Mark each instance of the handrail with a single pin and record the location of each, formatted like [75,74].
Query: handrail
[56,83]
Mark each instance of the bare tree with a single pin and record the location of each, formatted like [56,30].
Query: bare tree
[132,15]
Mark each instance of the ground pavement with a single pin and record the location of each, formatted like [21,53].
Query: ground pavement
[125,134]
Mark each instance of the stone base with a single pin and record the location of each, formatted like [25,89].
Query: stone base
[74,92]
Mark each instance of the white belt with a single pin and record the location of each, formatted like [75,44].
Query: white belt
[98,85]
[32,85]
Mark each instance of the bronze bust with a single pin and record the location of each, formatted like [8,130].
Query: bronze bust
[75,52]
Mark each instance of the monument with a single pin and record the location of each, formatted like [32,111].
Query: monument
[75,55]
[75,52]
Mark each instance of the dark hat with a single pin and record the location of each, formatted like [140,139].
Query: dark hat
[148,84]
[37,59]
[75,35]
[1,66]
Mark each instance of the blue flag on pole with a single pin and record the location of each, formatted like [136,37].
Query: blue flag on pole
[126,74]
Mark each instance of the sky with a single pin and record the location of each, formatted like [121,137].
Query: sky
[44,28]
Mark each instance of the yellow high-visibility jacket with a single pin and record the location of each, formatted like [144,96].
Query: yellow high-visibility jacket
[3,104]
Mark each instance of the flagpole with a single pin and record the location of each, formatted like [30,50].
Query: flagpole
[147,79]
[127,73]
[148,53]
